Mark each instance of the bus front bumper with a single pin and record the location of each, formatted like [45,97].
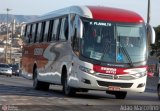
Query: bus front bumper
[91,82]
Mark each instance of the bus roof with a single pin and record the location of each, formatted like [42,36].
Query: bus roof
[115,14]
[97,13]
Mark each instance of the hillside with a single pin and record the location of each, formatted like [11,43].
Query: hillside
[18,18]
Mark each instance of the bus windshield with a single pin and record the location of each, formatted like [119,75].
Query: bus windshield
[113,42]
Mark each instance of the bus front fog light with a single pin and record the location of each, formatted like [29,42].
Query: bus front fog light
[141,85]
[86,81]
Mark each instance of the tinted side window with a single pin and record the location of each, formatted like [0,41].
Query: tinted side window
[35,38]
[28,34]
[45,37]
[25,32]
[28,30]
[42,32]
[75,41]
[50,30]
[33,33]
[64,29]
[55,30]
[39,32]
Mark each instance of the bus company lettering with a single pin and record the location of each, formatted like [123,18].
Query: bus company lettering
[100,23]
[109,70]
[38,51]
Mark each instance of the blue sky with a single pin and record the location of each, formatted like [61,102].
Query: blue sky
[39,7]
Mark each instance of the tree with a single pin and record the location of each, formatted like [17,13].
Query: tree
[157,42]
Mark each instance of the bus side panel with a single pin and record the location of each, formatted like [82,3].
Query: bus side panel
[49,58]
[58,55]
[27,61]
[47,67]
[33,54]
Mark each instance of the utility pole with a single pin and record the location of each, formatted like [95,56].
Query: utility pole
[7,37]
[148,12]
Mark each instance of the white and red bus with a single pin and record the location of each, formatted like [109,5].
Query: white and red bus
[86,48]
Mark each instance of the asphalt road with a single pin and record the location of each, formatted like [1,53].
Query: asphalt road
[17,94]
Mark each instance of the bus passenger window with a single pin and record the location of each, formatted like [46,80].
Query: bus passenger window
[58,29]
[75,43]
[25,39]
[39,32]
[50,30]
[64,29]
[35,37]
[42,32]
[25,32]
[45,37]
[33,33]
[54,35]
[28,34]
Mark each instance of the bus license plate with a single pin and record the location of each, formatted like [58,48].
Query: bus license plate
[114,88]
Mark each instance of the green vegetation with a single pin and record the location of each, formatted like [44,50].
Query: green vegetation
[156,46]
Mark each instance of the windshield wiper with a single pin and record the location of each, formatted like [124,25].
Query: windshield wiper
[127,55]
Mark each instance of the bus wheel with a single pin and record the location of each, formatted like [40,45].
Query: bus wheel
[68,91]
[38,85]
[120,95]
[158,91]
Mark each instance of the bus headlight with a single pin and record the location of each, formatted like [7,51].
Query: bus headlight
[87,70]
[138,75]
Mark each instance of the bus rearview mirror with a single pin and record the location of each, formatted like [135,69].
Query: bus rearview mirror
[151,34]
[79,28]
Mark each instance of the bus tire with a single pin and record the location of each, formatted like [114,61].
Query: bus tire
[158,91]
[38,85]
[67,90]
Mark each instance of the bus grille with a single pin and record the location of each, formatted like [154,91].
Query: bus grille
[108,76]
[126,77]
[107,84]
[105,76]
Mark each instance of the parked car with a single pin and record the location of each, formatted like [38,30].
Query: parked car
[5,69]
[15,69]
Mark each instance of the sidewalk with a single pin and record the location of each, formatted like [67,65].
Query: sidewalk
[152,83]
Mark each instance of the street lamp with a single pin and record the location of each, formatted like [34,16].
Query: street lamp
[7,36]
[148,12]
